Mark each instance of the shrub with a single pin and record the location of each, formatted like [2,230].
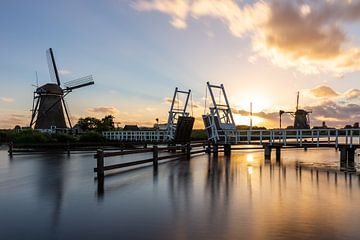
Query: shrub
[91,136]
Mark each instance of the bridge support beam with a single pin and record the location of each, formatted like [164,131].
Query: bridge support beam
[347,158]
[227,149]
[216,149]
[278,153]
[267,152]
[208,148]
[343,154]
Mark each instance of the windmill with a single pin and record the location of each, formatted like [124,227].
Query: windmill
[301,116]
[49,108]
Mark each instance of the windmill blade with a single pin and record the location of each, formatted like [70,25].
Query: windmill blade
[79,83]
[54,75]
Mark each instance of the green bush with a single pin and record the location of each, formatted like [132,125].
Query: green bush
[198,134]
[5,136]
[91,136]
[30,136]
[64,138]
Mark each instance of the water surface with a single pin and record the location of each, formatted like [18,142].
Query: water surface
[306,195]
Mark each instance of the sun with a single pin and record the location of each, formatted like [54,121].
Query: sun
[245,120]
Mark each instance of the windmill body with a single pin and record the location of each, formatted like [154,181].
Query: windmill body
[49,110]
[301,116]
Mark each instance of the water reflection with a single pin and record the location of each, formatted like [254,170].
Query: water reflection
[304,195]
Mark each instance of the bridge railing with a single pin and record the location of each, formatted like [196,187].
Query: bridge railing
[137,136]
[292,136]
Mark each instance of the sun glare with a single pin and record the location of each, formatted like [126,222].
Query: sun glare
[245,120]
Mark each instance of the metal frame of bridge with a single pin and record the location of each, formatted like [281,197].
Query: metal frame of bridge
[176,111]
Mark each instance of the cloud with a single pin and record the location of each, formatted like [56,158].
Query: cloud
[13,119]
[7,99]
[308,37]
[103,110]
[352,93]
[177,9]
[327,92]
[323,92]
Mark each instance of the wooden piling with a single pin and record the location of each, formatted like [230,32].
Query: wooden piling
[188,151]
[216,149]
[227,149]
[267,152]
[100,163]
[350,154]
[155,156]
[343,154]
[278,153]
[11,146]
[208,149]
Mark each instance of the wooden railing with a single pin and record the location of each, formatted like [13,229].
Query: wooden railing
[186,153]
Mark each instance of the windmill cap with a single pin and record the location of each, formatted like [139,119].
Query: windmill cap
[49,88]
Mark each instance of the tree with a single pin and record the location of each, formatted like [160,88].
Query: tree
[94,124]
[88,123]
[106,123]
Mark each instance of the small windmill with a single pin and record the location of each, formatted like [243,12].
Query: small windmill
[49,99]
[301,116]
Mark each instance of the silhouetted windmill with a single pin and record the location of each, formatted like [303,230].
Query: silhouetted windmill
[49,103]
[301,116]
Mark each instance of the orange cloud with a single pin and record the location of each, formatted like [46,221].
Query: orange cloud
[323,92]
[308,37]
[103,110]
[7,99]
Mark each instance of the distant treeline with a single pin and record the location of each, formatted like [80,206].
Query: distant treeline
[34,136]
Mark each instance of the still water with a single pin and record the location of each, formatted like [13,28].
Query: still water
[53,196]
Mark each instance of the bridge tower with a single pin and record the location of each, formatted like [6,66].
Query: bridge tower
[178,115]
[219,122]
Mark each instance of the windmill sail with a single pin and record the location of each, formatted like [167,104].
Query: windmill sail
[79,83]
[54,75]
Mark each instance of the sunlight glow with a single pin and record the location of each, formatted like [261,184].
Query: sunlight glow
[245,120]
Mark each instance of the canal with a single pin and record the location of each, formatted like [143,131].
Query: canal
[304,196]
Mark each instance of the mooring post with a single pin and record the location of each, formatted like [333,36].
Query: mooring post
[100,163]
[155,156]
[215,149]
[350,155]
[267,152]
[227,149]
[11,145]
[188,151]
[68,148]
[208,149]
[278,153]
[343,153]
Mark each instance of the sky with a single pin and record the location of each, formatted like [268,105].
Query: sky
[138,51]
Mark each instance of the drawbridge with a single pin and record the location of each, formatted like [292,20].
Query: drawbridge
[178,127]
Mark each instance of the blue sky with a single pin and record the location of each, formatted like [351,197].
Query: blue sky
[137,57]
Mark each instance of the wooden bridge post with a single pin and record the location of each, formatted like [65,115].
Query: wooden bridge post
[11,146]
[215,149]
[155,156]
[68,148]
[343,154]
[188,151]
[350,154]
[278,153]
[267,152]
[208,149]
[227,149]
[100,163]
